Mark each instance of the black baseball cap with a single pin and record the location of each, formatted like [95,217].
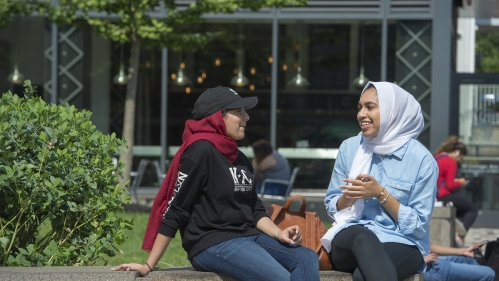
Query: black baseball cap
[214,99]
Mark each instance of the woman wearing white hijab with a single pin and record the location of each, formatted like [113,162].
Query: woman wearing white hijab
[382,190]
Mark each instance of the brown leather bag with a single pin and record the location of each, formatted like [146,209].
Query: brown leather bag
[310,224]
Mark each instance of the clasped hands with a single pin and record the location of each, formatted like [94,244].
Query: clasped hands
[363,186]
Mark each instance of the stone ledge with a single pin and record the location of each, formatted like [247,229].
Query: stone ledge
[443,213]
[77,273]
[73,273]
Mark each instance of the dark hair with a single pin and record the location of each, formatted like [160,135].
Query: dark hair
[452,143]
[261,149]
[371,85]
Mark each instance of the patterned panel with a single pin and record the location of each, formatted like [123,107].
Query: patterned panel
[70,68]
[413,66]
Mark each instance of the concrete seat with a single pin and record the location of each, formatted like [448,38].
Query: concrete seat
[188,273]
[97,273]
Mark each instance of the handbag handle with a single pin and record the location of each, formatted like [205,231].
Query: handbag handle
[303,203]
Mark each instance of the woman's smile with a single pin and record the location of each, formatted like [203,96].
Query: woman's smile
[368,113]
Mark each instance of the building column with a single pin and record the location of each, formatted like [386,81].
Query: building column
[441,72]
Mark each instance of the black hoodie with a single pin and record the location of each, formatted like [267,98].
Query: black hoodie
[213,201]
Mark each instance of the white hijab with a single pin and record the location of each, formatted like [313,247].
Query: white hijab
[401,119]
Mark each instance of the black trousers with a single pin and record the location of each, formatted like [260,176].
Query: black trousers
[466,211]
[357,250]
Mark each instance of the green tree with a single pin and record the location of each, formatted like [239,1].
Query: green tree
[133,23]
[59,194]
[9,8]
[488,51]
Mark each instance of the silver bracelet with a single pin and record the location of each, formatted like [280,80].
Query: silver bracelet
[384,200]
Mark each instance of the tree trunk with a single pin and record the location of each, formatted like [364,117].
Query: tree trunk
[129,115]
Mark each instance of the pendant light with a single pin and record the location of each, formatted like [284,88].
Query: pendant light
[240,80]
[180,79]
[361,81]
[121,78]
[299,81]
[15,77]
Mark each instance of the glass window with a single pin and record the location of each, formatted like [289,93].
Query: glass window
[148,99]
[319,68]
[244,50]
[22,47]
[479,130]
[328,57]
[487,55]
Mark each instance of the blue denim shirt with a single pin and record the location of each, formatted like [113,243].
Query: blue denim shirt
[410,175]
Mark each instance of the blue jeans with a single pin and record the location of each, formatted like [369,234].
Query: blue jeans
[259,257]
[458,268]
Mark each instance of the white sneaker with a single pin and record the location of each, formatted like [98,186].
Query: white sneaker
[460,229]
[459,242]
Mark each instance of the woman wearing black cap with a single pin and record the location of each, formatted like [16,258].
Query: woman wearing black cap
[208,194]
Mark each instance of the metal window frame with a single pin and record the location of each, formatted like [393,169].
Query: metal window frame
[438,11]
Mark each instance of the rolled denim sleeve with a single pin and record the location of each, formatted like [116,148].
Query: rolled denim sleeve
[414,219]
[340,172]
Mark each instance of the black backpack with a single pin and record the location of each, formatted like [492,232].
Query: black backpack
[492,256]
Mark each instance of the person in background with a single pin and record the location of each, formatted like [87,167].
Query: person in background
[208,194]
[448,155]
[451,264]
[269,164]
[382,190]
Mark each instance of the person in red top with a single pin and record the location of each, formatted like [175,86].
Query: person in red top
[447,156]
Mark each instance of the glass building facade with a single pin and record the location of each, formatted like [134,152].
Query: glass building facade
[329,44]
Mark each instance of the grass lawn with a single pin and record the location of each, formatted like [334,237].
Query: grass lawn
[132,252]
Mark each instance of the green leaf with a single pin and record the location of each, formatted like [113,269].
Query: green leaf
[43,136]
[55,181]
[49,132]
[23,251]
[4,241]
[53,246]
[48,184]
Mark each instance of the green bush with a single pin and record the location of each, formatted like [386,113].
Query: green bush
[59,193]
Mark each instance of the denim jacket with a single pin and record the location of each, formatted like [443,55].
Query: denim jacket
[410,175]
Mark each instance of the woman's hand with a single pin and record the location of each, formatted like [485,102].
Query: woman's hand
[468,252]
[463,181]
[431,257]
[363,186]
[141,268]
[291,235]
